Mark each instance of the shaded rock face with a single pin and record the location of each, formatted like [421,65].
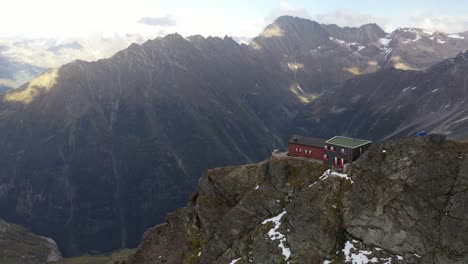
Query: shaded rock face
[415,200]
[402,202]
[368,33]
[18,246]
[98,152]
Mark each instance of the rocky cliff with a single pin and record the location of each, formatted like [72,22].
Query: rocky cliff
[401,202]
[18,246]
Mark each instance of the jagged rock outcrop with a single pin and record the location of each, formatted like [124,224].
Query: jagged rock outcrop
[18,246]
[401,202]
[413,200]
[364,34]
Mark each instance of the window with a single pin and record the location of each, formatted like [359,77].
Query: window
[325,157]
[297,149]
[342,151]
[332,148]
[326,147]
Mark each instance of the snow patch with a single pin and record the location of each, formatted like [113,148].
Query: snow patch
[456,36]
[361,48]
[299,88]
[409,87]
[428,32]
[385,41]
[256,188]
[275,235]
[359,256]
[441,41]
[435,90]
[387,52]
[460,120]
[328,173]
[234,261]
[338,40]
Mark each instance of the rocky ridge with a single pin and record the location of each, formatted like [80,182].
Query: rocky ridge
[401,202]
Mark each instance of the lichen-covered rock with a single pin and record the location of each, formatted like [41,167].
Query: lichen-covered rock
[402,202]
[411,199]
[18,246]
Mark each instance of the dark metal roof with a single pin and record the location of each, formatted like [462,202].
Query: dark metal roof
[309,141]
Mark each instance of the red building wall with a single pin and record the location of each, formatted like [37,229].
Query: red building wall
[298,150]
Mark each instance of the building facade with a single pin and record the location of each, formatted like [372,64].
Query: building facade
[306,147]
[342,150]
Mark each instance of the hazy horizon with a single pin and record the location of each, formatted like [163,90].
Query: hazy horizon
[241,20]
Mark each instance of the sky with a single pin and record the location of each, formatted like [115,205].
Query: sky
[241,19]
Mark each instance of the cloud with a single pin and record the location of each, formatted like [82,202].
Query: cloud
[286,9]
[164,21]
[345,17]
[242,39]
[442,23]
[448,24]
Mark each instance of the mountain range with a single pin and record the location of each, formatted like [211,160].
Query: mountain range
[93,153]
[22,59]
[393,103]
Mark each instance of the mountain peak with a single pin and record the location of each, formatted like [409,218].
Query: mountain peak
[174,36]
[291,19]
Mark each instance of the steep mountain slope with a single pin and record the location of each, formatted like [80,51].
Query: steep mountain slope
[392,103]
[97,152]
[18,246]
[402,205]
